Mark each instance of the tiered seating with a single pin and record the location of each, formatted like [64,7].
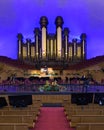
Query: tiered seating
[83,110]
[75,119]
[90,126]
[34,113]
[13,126]
[85,117]
[19,118]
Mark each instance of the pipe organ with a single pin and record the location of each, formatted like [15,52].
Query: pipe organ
[52,49]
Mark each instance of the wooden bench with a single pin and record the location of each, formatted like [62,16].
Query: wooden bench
[13,126]
[70,113]
[17,119]
[90,126]
[30,107]
[75,119]
[19,112]
[34,109]
[79,107]
[30,113]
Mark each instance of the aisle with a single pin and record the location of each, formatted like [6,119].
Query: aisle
[52,118]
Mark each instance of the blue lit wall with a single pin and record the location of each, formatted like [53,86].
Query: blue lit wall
[79,16]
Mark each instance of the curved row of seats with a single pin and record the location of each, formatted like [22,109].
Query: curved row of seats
[85,117]
[19,118]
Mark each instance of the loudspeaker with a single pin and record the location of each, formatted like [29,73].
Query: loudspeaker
[3,102]
[81,98]
[20,100]
[99,98]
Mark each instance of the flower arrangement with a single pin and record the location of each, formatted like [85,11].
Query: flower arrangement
[51,87]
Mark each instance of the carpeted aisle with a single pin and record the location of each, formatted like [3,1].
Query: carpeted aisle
[52,118]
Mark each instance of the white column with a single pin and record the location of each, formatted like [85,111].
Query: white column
[37,53]
[59,42]
[83,47]
[70,52]
[43,42]
[47,48]
[51,42]
[55,51]
[66,46]
[28,49]
[20,48]
[33,51]
[75,48]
